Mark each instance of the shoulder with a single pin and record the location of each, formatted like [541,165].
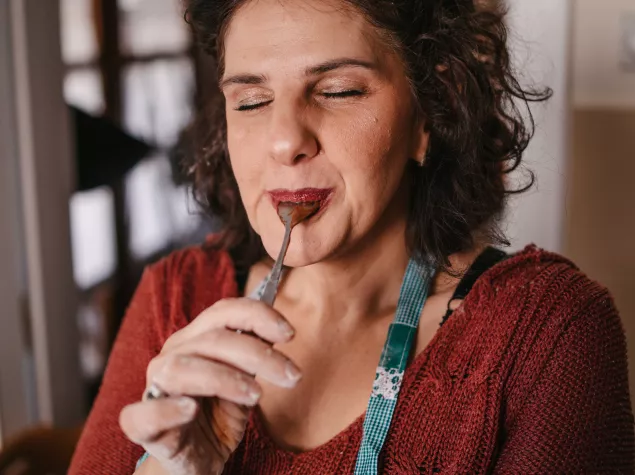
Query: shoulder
[198,265]
[534,304]
[547,283]
[556,327]
[186,282]
[519,310]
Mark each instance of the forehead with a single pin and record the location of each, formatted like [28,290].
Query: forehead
[276,35]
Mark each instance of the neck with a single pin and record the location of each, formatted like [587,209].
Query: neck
[361,284]
[364,284]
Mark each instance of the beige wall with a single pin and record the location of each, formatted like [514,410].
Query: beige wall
[601,207]
[600,215]
[600,81]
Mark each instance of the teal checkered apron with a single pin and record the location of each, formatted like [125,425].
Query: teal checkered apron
[392,365]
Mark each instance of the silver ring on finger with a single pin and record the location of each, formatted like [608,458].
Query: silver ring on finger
[153,392]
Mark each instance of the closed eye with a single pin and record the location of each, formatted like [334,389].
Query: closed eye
[250,107]
[341,94]
[328,95]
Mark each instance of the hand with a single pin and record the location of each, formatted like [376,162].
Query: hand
[208,370]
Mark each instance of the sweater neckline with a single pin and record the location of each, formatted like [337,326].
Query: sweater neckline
[353,432]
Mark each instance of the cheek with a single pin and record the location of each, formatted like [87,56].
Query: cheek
[246,163]
[375,157]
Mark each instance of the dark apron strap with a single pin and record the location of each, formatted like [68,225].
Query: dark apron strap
[486,260]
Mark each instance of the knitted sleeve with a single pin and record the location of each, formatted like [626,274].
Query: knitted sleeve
[577,416]
[103,448]
[171,293]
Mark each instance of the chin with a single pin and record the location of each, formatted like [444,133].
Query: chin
[306,246]
[302,255]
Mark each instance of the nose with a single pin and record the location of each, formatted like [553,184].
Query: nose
[291,138]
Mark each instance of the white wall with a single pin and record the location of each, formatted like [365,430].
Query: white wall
[540,41]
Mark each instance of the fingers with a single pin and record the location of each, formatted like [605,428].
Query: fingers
[235,415]
[243,352]
[146,422]
[237,314]
[193,375]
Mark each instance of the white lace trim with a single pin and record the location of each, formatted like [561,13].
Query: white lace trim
[387,383]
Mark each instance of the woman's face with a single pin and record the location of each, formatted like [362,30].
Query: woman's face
[318,109]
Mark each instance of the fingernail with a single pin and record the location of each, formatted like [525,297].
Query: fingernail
[254,395]
[186,405]
[286,329]
[292,372]
[252,392]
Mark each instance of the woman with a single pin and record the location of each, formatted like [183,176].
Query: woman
[397,120]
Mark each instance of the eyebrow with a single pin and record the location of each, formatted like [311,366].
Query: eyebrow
[337,64]
[316,70]
[243,79]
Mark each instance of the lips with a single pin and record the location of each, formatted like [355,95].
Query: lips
[304,195]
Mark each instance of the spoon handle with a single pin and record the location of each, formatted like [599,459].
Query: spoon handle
[271,287]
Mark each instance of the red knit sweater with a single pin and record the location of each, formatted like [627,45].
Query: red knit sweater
[528,376]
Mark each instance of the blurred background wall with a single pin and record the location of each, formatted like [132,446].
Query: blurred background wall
[94,96]
[39,367]
[540,43]
[600,218]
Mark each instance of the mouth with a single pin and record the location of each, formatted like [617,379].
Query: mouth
[319,196]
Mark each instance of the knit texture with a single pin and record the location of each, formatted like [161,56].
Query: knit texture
[528,376]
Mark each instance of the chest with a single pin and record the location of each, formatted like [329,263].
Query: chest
[446,421]
[339,369]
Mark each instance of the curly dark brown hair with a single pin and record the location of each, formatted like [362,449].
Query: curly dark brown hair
[464,87]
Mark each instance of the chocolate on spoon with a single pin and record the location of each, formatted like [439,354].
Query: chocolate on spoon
[297,212]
